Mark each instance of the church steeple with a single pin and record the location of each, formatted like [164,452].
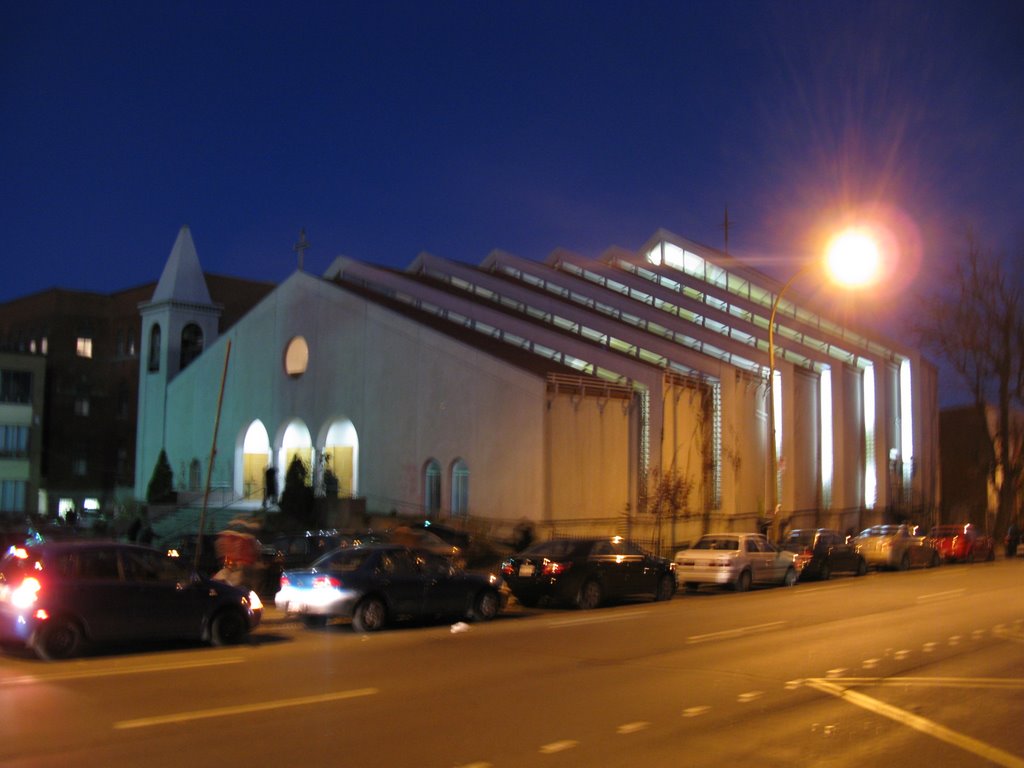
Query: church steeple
[182,279]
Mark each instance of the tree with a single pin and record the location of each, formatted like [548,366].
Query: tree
[669,495]
[977,327]
[296,500]
[161,484]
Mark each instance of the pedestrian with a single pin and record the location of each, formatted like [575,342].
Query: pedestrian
[269,486]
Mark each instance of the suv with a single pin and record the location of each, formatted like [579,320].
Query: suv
[57,595]
[822,552]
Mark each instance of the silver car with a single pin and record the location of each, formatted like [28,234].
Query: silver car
[896,546]
[737,560]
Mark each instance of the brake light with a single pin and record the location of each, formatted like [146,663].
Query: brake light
[554,568]
[285,581]
[507,568]
[326,582]
[803,558]
[27,593]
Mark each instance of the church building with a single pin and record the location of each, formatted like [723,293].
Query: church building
[571,392]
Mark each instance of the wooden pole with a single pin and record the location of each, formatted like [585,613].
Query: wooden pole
[213,454]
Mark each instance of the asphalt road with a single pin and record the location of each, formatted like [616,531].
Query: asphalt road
[923,668]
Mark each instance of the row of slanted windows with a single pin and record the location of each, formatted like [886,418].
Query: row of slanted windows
[191,346]
[459,488]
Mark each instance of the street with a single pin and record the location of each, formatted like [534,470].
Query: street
[924,667]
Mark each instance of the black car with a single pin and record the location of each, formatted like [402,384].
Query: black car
[823,552]
[376,583]
[58,595]
[587,572]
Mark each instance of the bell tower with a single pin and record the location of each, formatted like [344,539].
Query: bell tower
[178,322]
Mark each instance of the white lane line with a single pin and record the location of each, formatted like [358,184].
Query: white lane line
[837,672]
[598,619]
[951,594]
[901,654]
[746,698]
[628,728]
[870,663]
[738,632]
[474,765]
[696,711]
[918,723]
[242,709]
[955,640]
[930,682]
[558,746]
[928,647]
[91,672]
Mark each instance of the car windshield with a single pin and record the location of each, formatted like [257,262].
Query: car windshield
[881,530]
[557,548]
[799,540]
[717,542]
[343,560]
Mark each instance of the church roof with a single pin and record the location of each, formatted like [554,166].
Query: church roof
[182,279]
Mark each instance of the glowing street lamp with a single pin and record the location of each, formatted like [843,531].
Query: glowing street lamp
[851,260]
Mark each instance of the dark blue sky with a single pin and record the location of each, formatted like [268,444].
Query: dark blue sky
[387,129]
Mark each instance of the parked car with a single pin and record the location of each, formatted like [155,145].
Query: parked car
[737,560]
[423,540]
[963,543]
[58,595]
[587,572]
[896,546]
[820,552]
[376,583]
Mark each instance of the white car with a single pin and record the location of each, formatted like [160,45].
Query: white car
[737,560]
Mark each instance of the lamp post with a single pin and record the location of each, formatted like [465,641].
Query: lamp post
[852,261]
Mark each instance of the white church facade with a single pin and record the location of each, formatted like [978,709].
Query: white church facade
[556,391]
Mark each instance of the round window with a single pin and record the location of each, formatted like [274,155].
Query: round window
[296,356]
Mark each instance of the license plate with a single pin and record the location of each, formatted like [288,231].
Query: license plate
[526,569]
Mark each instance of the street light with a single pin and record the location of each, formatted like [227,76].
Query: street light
[851,260]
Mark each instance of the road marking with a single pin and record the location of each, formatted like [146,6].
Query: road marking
[90,672]
[557,746]
[901,654]
[870,663]
[837,672]
[474,765]
[954,640]
[629,728]
[934,597]
[928,647]
[918,723]
[1008,634]
[746,698]
[930,682]
[557,623]
[696,711]
[731,633]
[242,709]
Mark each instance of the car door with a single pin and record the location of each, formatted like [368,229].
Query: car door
[402,581]
[166,602]
[606,562]
[95,591]
[446,590]
[641,573]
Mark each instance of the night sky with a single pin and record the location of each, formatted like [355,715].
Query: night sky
[388,129]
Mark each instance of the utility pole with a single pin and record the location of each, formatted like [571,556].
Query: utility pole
[301,246]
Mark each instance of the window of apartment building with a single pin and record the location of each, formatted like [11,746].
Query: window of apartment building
[15,386]
[13,441]
[83,346]
[81,406]
[12,495]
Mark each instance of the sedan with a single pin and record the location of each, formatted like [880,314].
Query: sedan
[896,546]
[737,560]
[587,572]
[962,543]
[54,597]
[376,583]
[820,552]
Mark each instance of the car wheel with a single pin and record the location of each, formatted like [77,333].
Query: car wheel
[824,573]
[589,595]
[228,628]
[57,639]
[904,561]
[742,583]
[369,615]
[485,607]
[790,578]
[312,622]
[666,588]
[862,567]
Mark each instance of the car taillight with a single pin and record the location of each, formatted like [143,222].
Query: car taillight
[554,568]
[285,581]
[803,558]
[27,593]
[326,582]
[507,568]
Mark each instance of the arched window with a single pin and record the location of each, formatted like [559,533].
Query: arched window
[191,344]
[431,488]
[460,488]
[154,347]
